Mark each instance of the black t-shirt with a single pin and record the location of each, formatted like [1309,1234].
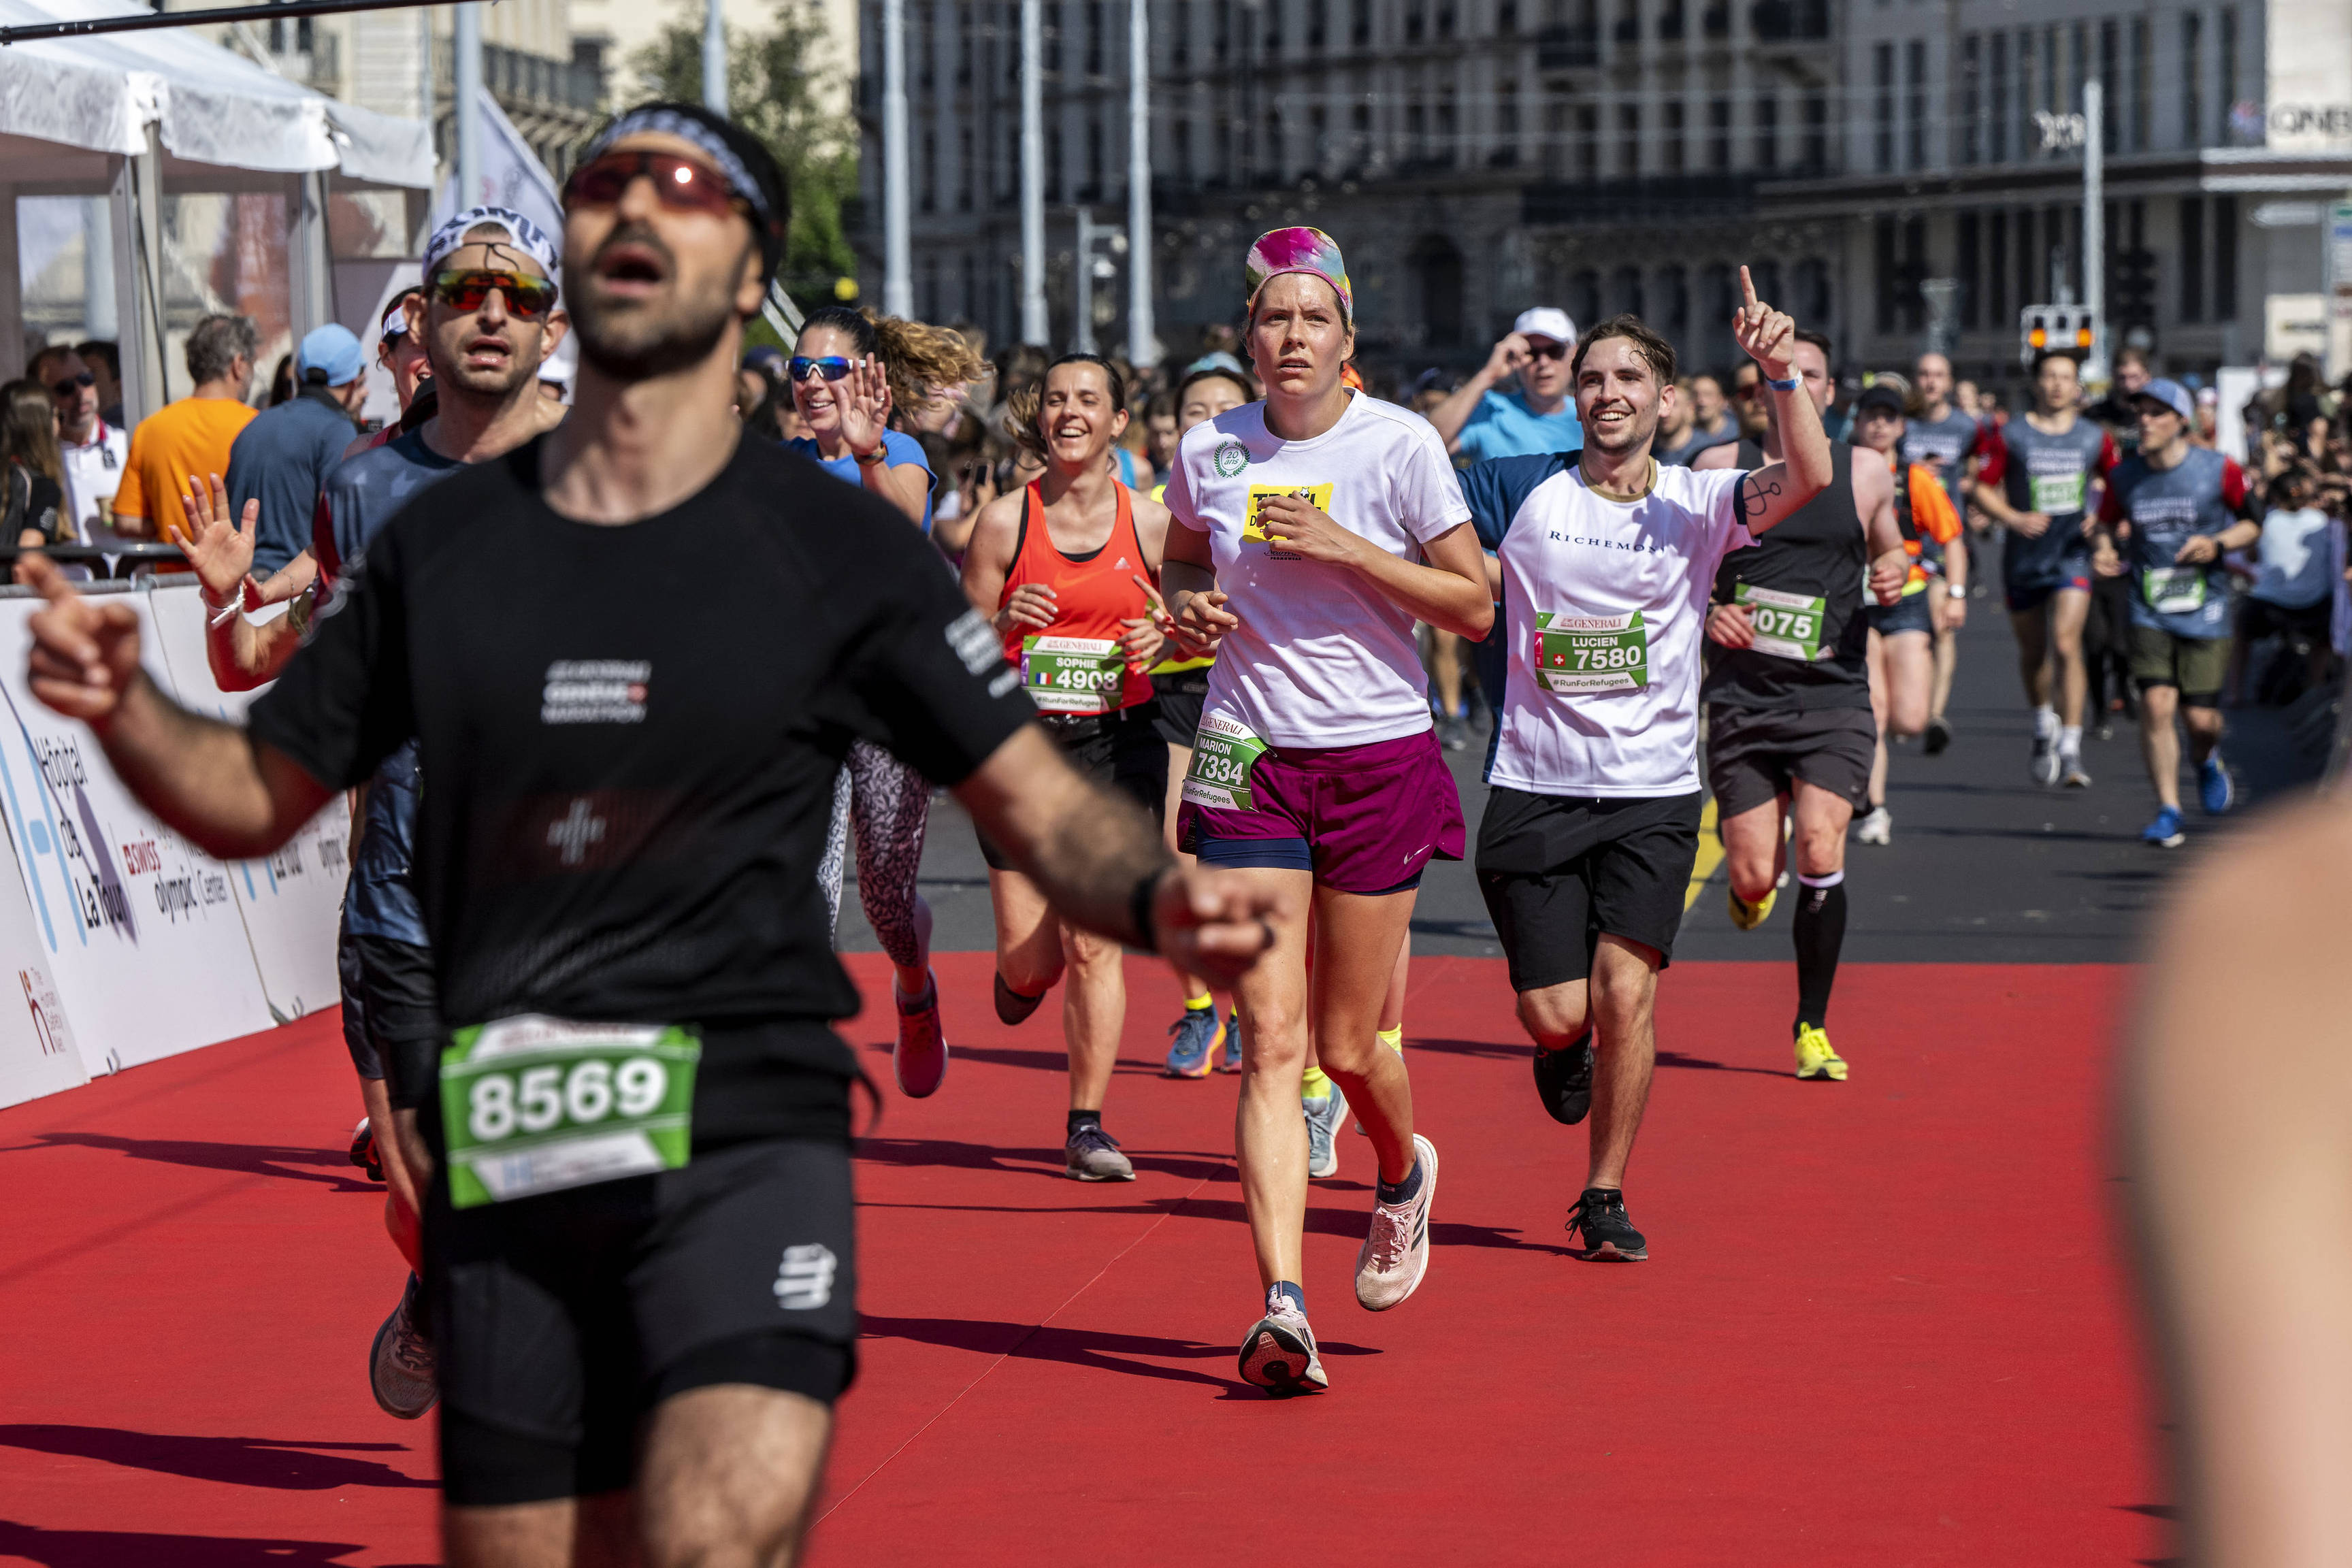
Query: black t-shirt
[632,734]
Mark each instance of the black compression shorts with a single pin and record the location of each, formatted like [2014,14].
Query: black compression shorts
[1752,753]
[392,1018]
[561,1321]
[1559,873]
[1181,694]
[1120,751]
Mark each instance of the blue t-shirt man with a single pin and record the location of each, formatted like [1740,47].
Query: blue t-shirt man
[283,457]
[1503,426]
[898,449]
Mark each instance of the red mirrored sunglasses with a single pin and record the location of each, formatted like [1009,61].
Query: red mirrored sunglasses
[683,184]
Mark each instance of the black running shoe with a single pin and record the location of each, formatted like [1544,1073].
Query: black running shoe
[1012,1007]
[1940,736]
[1609,1235]
[1564,1081]
[363,1151]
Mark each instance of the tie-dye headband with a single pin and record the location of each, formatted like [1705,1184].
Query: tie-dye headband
[1307,250]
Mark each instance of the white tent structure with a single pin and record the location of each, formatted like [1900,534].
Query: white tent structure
[133,116]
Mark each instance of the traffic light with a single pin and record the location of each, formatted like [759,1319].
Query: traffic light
[2068,329]
[2135,290]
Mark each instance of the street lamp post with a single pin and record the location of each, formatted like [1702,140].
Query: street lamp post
[1142,333]
[898,270]
[714,57]
[1033,326]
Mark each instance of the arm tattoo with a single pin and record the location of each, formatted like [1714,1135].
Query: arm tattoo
[1755,498]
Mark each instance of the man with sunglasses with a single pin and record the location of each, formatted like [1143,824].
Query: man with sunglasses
[93,449]
[639,1232]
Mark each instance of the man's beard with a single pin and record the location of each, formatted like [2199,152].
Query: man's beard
[638,338]
[1635,432]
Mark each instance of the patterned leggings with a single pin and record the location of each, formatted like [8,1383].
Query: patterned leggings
[890,805]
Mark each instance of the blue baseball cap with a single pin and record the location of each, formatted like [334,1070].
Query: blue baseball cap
[2171,393]
[332,352]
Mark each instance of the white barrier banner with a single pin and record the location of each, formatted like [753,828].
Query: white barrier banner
[293,900]
[37,1054]
[143,935]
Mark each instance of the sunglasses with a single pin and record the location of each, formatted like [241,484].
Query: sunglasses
[683,184]
[833,367]
[528,299]
[1557,351]
[73,383]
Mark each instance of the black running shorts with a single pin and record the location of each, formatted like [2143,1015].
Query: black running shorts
[392,1012]
[1182,693]
[1558,872]
[1908,613]
[1752,753]
[561,1321]
[1122,751]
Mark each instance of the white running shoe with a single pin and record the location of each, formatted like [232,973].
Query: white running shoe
[1322,1121]
[1876,827]
[1278,1354]
[2070,771]
[402,1370]
[1395,1253]
[2045,764]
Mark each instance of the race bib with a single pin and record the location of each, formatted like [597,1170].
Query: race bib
[1591,653]
[1315,496]
[533,1105]
[2056,495]
[1224,754]
[1073,675]
[2174,590]
[1787,625]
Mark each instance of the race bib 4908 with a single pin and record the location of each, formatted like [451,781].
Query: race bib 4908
[1073,675]
[1591,653]
[1787,625]
[535,1105]
[1223,752]
[1316,496]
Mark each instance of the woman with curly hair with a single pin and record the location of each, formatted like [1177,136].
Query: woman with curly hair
[850,372]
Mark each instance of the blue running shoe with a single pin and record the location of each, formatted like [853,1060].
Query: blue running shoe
[2164,831]
[1232,1060]
[2215,793]
[1198,1034]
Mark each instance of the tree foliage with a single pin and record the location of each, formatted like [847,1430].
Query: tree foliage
[775,82]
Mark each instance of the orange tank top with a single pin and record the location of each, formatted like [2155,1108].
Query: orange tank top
[1066,667]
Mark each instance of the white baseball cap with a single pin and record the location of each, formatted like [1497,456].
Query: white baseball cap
[1546,321]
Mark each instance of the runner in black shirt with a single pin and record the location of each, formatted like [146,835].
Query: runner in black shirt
[633,654]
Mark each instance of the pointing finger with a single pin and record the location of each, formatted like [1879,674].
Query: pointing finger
[40,573]
[1747,286]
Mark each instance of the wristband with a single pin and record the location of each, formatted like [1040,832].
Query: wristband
[868,460]
[223,614]
[1954,591]
[1139,909]
[1790,384]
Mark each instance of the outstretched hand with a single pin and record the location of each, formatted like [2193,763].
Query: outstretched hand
[1214,923]
[85,652]
[220,549]
[864,396]
[1769,336]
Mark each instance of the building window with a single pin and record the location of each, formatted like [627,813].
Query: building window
[1915,104]
[1277,160]
[1448,134]
[1416,133]
[928,201]
[1720,296]
[1507,18]
[1584,296]
[1674,299]
[1972,99]
[1444,18]
[1718,134]
[1094,30]
[1053,27]
[1054,163]
[1882,245]
[963,171]
[2225,250]
[2111,103]
[2028,265]
[1416,20]
[1179,43]
[2192,79]
[1094,163]
[1225,169]
[1319,21]
[1184,149]
[2192,258]
[1507,126]
[1674,137]
[1817,134]
[1670,20]
[1883,80]
[1626,291]
[1273,27]
[1438,261]
[2228,96]
[2079,66]
[1359,122]
[1971,278]
[1814,298]
[1997,120]
[1997,268]
[1360,23]
[1587,147]
[1555,142]
[1629,141]
[2143,86]
[1220,41]
[1768,132]
[964,46]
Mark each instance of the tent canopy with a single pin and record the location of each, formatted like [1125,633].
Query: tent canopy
[209,106]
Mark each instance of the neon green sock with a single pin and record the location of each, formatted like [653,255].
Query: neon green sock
[1314,1084]
[1200,1003]
[1393,1038]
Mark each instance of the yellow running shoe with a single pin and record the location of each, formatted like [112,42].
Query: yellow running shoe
[1747,916]
[1814,1057]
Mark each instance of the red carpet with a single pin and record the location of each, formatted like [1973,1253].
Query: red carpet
[1882,1322]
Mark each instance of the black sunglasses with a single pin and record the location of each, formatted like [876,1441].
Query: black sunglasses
[73,383]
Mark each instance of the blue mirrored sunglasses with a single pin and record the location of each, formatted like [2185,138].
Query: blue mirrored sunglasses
[833,367]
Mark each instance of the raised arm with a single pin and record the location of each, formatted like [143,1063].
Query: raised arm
[1450,415]
[228,794]
[865,417]
[1102,865]
[242,654]
[1775,492]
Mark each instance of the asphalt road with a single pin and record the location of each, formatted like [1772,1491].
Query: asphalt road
[1984,866]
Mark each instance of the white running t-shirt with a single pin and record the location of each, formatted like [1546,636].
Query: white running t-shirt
[1321,658]
[1605,607]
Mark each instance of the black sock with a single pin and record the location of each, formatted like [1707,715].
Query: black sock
[1083,1118]
[1405,1190]
[1820,934]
